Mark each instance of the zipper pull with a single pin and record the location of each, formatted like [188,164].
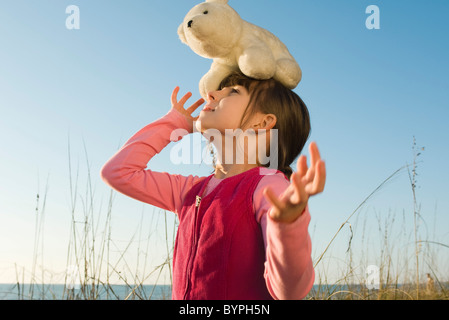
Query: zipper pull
[198,201]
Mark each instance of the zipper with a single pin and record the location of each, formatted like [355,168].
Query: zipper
[197,201]
[194,245]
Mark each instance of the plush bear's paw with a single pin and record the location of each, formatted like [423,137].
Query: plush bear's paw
[257,63]
[288,73]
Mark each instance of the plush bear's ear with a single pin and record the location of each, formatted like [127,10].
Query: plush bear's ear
[181,34]
[219,1]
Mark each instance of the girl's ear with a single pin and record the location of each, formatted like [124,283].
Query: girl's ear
[266,121]
[219,1]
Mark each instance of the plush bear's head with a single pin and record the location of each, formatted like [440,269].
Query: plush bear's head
[211,29]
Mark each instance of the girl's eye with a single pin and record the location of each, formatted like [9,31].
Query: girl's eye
[234,90]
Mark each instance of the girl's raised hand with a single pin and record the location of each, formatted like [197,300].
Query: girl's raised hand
[179,105]
[306,182]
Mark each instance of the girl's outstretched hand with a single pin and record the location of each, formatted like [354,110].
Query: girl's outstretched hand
[179,105]
[306,182]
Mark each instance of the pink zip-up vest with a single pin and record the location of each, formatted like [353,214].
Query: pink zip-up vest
[219,251]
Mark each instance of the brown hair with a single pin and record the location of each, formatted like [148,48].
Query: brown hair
[293,120]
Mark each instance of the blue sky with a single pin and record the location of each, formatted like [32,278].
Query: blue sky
[369,93]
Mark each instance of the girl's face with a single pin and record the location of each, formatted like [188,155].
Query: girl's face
[224,109]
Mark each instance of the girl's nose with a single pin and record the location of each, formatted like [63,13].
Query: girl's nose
[212,96]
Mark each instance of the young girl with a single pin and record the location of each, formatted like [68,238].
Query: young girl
[242,233]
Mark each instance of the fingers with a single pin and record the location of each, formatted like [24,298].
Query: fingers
[321,171]
[195,106]
[315,157]
[185,98]
[304,183]
[313,177]
[180,104]
[302,166]
[174,97]
[300,194]
[314,154]
[292,196]
[272,198]
[319,180]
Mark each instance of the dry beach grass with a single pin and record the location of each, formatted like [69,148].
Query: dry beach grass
[97,262]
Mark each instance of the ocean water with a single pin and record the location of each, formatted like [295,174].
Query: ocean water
[98,292]
[163,292]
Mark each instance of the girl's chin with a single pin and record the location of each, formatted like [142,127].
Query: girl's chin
[202,126]
[203,123]
[207,131]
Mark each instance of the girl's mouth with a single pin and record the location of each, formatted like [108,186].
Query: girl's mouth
[208,108]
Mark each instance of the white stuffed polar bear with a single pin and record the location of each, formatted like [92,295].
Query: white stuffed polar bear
[214,30]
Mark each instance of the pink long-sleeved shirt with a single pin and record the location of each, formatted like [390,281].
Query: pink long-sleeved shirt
[289,270]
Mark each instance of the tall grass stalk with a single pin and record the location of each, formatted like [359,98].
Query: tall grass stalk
[38,240]
[413,181]
[355,211]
